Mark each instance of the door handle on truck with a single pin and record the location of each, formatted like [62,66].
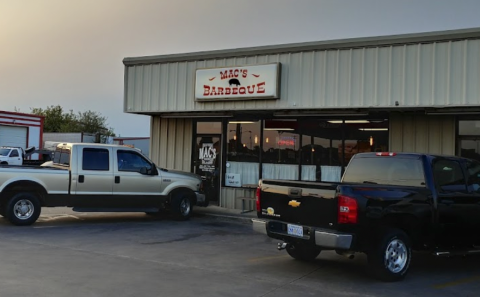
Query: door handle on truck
[81,178]
[294,193]
[117,179]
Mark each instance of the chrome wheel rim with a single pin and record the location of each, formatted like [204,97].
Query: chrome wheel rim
[396,256]
[185,207]
[23,209]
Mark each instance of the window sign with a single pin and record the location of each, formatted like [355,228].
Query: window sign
[233,180]
[207,155]
[242,82]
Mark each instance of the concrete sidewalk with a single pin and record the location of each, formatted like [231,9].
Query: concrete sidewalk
[213,210]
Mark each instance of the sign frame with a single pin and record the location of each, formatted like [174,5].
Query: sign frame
[277,80]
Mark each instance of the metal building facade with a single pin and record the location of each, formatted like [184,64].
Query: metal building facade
[433,72]
[23,130]
[171,143]
[423,81]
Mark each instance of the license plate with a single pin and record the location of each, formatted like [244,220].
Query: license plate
[295,230]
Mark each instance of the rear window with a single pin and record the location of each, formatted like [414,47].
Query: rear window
[62,156]
[396,171]
[95,159]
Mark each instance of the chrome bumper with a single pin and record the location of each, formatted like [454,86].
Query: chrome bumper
[333,240]
[200,198]
[259,226]
[323,238]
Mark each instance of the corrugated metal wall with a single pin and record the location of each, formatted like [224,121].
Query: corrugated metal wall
[228,198]
[171,143]
[434,74]
[422,133]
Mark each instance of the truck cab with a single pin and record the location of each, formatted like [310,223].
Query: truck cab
[11,155]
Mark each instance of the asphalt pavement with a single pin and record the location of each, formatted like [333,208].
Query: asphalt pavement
[217,211]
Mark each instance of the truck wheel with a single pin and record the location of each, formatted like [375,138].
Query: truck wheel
[303,252]
[181,205]
[390,260]
[23,209]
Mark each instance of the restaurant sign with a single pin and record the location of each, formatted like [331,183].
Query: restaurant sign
[238,83]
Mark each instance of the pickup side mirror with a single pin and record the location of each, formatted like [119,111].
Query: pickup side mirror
[148,171]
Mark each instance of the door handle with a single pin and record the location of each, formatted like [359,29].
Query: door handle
[81,178]
[117,179]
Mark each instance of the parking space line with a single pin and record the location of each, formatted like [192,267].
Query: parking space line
[458,282]
[267,258]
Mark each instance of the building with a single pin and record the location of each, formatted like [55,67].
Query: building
[21,130]
[300,111]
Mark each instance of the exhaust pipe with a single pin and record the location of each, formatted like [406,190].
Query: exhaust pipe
[282,246]
[347,254]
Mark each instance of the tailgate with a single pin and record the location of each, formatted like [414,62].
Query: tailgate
[303,203]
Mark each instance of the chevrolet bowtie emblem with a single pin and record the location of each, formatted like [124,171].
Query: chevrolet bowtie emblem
[294,203]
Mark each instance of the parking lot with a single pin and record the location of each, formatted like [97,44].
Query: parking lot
[129,254]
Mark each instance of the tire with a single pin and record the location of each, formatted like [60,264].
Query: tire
[390,260]
[181,205]
[23,209]
[303,252]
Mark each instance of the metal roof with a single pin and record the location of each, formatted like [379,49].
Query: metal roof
[426,37]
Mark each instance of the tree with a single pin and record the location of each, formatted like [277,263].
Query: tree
[56,120]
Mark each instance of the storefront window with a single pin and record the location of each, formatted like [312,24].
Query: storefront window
[469,139]
[304,149]
[281,150]
[320,159]
[243,154]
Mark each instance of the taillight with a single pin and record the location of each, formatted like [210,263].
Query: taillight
[257,195]
[347,210]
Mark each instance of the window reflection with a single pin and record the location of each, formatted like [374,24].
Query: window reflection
[281,146]
[469,133]
[306,149]
[243,154]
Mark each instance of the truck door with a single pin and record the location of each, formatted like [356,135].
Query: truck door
[15,157]
[473,186]
[94,179]
[456,205]
[132,188]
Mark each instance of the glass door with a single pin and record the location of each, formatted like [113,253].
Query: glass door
[207,164]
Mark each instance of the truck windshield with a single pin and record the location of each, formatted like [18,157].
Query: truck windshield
[4,152]
[396,171]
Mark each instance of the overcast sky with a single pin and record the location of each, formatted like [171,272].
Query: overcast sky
[70,52]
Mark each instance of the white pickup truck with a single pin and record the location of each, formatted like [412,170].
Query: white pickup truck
[96,178]
[11,155]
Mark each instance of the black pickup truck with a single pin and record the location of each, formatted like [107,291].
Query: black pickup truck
[386,205]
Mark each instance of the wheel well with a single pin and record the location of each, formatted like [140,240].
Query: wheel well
[185,190]
[23,186]
[409,224]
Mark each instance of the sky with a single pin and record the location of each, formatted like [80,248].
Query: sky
[69,53]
